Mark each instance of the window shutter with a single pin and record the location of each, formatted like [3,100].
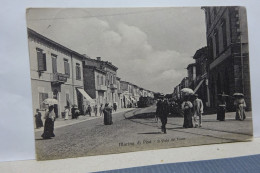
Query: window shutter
[68,69]
[44,62]
[40,61]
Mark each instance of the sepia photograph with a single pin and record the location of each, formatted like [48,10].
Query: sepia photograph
[116,80]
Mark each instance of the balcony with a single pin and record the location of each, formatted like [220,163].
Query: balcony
[113,86]
[58,78]
[101,88]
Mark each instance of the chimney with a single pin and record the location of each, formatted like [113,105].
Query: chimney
[99,58]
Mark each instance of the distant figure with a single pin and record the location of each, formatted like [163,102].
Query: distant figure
[38,119]
[73,109]
[187,109]
[66,113]
[164,115]
[114,107]
[95,110]
[107,115]
[198,110]
[89,110]
[77,113]
[101,110]
[158,112]
[49,124]
[221,109]
[240,105]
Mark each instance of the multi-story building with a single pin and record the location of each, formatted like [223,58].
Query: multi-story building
[94,84]
[105,92]
[191,70]
[227,42]
[56,72]
[119,93]
[201,82]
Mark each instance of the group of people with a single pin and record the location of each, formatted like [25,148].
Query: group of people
[239,103]
[192,108]
[49,117]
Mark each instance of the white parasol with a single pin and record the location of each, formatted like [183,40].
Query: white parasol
[238,94]
[187,91]
[50,101]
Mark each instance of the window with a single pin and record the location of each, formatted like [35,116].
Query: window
[102,80]
[41,58]
[224,33]
[67,67]
[97,79]
[214,11]
[54,63]
[42,97]
[210,48]
[78,72]
[216,43]
[209,17]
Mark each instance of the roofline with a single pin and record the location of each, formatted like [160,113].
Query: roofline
[30,31]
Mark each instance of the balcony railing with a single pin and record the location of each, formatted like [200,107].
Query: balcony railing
[113,86]
[58,78]
[101,88]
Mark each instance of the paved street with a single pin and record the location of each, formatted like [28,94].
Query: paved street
[136,130]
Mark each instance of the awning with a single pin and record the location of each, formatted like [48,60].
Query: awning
[133,100]
[86,96]
[198,86]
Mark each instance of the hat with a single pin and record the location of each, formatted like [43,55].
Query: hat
[195,95]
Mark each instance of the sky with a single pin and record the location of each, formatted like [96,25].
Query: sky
[150,46]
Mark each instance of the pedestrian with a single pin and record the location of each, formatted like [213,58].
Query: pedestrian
[164,115]
[49,124]
[158,112]
[101,110]
[221,109]
[95,110]
[187,109]
[240,105]
[114,107]
[66,113]
[38,119]
[198,110]
[77,112]
[107,115]
[89,110]
[73,109]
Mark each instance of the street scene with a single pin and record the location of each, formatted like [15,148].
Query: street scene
[115,80]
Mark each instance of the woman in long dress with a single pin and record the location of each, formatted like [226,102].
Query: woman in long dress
[38,119]
[221,109]
[66,113]
[107,115]
[49,124]
[240,105]
[187,109]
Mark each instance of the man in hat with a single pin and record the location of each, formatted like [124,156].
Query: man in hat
[198,110]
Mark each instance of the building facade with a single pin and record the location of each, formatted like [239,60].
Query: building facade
[56,72]
[227,42]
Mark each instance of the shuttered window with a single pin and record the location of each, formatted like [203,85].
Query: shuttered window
[42,97]
[78,73]
[67,67]
[41,58]
[54,63]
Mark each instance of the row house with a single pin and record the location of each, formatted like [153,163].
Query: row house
[191,70]
[201,81]
[227,42]
[56,72]
[100,81]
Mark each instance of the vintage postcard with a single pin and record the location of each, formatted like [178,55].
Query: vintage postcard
[113,80]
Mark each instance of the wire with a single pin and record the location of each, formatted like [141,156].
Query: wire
[109,15]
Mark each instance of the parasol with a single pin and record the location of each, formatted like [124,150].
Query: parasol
[238,94]
[187,91]
[50,101]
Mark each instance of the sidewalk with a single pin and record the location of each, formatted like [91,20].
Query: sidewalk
[60,122]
